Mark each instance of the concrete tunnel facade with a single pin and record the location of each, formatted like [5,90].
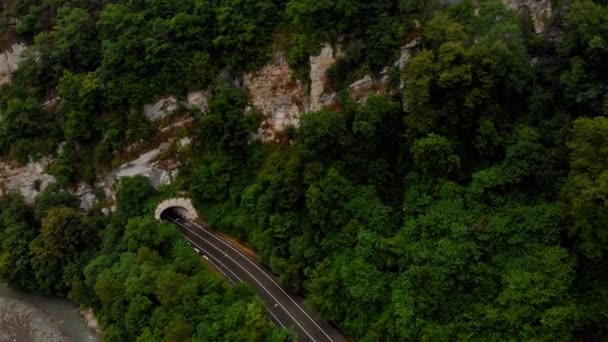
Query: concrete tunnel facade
[182,204]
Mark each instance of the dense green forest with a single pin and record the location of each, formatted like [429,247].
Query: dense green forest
[469,204]
[141,278]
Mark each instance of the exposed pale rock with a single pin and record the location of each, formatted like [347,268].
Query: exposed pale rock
[29,179]
[368,85]
[161,108]
[185,141]
[90,320]
[9,61]
[279,98]
[319,66]
[362,88]
[86,194]
[166,105]
[180,123]
[199,99]
[146,165]
[406,53]
[51,103]
[540,11]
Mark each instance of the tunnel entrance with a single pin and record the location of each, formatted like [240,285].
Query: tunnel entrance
[181,207]
[175,212]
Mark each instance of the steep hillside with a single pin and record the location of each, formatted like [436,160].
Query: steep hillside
[417,170]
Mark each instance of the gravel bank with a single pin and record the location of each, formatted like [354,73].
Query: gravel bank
[20,321]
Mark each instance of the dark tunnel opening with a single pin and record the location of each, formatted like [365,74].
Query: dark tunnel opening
[175,212]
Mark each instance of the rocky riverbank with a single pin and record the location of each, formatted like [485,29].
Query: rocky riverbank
[20,321]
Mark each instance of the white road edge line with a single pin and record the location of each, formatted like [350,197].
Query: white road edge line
[241,280]
[217,261]
[267,276]
[254,278]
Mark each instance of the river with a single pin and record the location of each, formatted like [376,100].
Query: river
[64,312]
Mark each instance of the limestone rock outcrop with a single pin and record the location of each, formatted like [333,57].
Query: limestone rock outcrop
[29,179]
[9,61]
[199,99]
[147,165]
[281,99]
[320,95]
[167,104]
[86,194]
[540,11]
[277,95]
[362,88]
[161,108]
[369,85]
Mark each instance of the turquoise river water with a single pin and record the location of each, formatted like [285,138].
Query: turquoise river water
[63,312]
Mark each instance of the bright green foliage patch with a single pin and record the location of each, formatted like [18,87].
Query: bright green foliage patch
[139,276]
[467,202]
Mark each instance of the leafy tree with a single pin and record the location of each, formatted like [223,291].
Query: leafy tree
[468,78]
[242,37]
[323,132]
[51,197]
[17,231]
[226,128]
[75,39]
[584,193]
[434,155]
[325,200]
[585,46]
[132,195]
[63,234]
[22,119]
[80,96]
[62,168]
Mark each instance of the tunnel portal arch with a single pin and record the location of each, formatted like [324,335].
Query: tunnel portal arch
[182,205]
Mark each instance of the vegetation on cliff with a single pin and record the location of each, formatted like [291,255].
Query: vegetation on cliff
[470,203]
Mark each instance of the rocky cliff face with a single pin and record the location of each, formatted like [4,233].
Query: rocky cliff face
[279,98]
[361,89]
[147,165]
[320,95]
[540,12]
[168,104]
[28,179]
[161,108]
[282,100]
[9,61]
[272,90]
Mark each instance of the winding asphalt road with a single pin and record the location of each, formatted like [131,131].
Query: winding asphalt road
[286,310]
